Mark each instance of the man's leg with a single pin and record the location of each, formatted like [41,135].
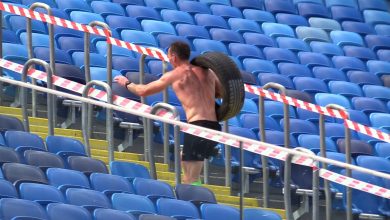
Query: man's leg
[192,170]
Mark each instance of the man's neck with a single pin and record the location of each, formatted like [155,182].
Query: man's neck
[182,63]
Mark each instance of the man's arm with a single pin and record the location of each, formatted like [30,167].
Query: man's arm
[148,89]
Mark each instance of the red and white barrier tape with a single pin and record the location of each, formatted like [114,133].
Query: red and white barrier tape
[129,104]
[157,53]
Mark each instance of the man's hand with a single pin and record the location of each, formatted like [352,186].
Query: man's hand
[121,80]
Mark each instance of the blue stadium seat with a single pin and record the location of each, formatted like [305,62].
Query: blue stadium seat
[211,2]
[380,120]
[157,27]
[241,25]
[368,105]
[308,9]
[195,194]
[134,204]
[291,20]
[358,147]
[192,31]
[265,78]
[359,117]
[11,208]
[328,74]
[204,45]
[242,51]
[275,30]
[335,131]
[299,95]
[38,40]
[7,189]
[125,3]
[342,38]
[73,5]
[142,12]
[225,36]
[87,165]
[249,106]
[15,53]
[107,8]
[312,59]
[377,42]
[383,55]
[258,15]
[361,53]
[256,66]
[19,24]
[64,146]
[342,13]
[119,23]
[309,34]
[259,40]
[215,211]
[382,29]
[345,63]
[125,64]
[292,70]
[110,184]
[347,3]
[210,21]
[183,209]
[251,121]
[41,193]
[18,173]
[346,89]
[152,189]
[176,17]
[102,214]
[7,154]
[22,141]
[154,217]
[101,47]
[139,38]
[85,17]
[225,11]
[256,213]
[299,126]
[279,6]
[376,17]
[312,142]
[358,27]
[372,5]
[293,44]
[61,56]
[50,3]
[363,78]
[96,60]
[274,109]
[64,179]
[377,92]
[100,73]
[325,24]
[159,5]
[43,159]
[73,44]
[373,163]
[193,7]
[70,72]
[324,99]
[155,67]
[165,40]
[378,67]
[278,55]
[65,211]
[86,198]
[382,150]
[248,4]
[310,85]
[129,170]
[10,37]
[248,78]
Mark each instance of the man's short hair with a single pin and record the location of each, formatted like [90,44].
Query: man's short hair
[181,49]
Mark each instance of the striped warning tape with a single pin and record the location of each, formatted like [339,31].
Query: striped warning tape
[209,134]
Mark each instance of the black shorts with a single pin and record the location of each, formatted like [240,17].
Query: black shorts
[196,148]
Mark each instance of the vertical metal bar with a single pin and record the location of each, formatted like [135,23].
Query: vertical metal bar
[242,181]
[316,184]
[328,194]
[87,72]
[144,120]
[177,153]
[228,156]
[287,188]
[206,168]
[30,56]
[1,56]
[166,126]
[150,153]
[264,159]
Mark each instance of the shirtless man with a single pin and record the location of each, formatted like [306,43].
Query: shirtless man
[196,88]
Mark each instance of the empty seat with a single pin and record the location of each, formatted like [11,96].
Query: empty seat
[225,11]
[368,105]
[346,89]
[299,126]
[258,15]
[65,211]
[125,3]
[61,56]
[64,179]
[299,95]
[359,117]
[377,42]
[291,20]
[277,30]
[204,45]
[279,6]
[131,203]
[193,7]
[8,155]
[372,5]
[18,173]
[7,189]
[292,70]
[242,51]
[72,44]
[192,31]
[73,5]
[64,146]
[157,27]
[312,142]
[324,99]
[383,29]
[328,74]
[256,213]
[259,40]
[307,9]
[275,110]
[129,170]
[342,38]
[342,13]
[10,37]
[361,53]
[243,25]
[378,67]
[183,209]
[11,208]
[247,4]
[194,194]
[10,123]
[40,193]
[215,211]
[107,8]
[376,17]
[309,34]
[85,17]
[345,63]
[310,85]
[347,3]
[358,27]
[383,55]
[87,165]
[38,40]
[142,12]
[336,131]
[96,60]
[120,23]
[293,44]
[251,121]
[22,141]
[152,189]
[363,78]
[225,36]
[210,21]
[358,147]
[43,159]
[210,2]
[110,184]
[102,214]
[312,59]
[382,150]
[380,120]
[325,24]
[139,37]
[377,92]
[256,66]
[278,55]
[265,78]
[86,198]
[19,24]
[159,5]
[154,217]
[176,17]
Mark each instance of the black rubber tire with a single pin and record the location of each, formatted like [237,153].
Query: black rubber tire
[229,75]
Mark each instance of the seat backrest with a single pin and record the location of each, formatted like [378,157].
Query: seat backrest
[60,211]
[194,194]
[377,92]
[154,188]
[57,144]
[383,149]
[255,213]
[362,78]
[277,30]
[309,34]
[17,173]
[368,105]
[43,159]
[107,8]
[129,170]
[226,11]
[374,163]
[43,194]
[10,208]
[126,202]
[328,74]
[215,211]
[87,198]
[8,155]
[87,165]
[346,89]
[7,189]
[10,123]
[326,48]
[324,23]
[154,217]
[108,182]
[312,142]
[16,139]
[103,214]
[291,20]
[358,147]
[61,178]
[193,7]
[182,208]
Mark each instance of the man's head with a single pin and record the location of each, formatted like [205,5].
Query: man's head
[178,52]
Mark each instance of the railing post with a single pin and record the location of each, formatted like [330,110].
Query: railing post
[242,181]
[316,188]
[228,156]
[109,119]
[150,153]
[23,94]
[144,120]
[1,56]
